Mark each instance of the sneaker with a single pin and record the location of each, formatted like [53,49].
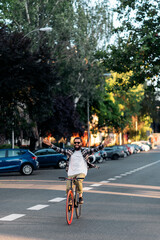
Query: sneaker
[81,200]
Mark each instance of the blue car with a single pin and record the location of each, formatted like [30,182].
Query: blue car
[18,160]
[48,157]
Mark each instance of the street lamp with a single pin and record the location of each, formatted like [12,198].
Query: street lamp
[45,29]
[107,74]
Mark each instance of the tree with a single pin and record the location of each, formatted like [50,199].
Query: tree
[137,47]
[25,85]
[119,106]
[64,121]
[78,27]
[28,97]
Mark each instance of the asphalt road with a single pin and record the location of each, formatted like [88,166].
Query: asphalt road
[121,202]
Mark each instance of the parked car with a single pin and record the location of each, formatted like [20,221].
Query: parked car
[126,151]
[103,154]
[137,149]
[18,160]
[146,143]
[48,157]
[123,150]
[96,157]
[130,148]
[113,152]
[145,147]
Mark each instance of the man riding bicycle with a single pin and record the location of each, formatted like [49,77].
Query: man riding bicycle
[78,163]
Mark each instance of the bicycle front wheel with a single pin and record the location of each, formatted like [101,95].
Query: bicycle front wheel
[69,207]
[77,205]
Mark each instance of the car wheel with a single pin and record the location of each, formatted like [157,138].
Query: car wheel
[92,159]
[100,160]
[115,157]
[62,164]
[26,169]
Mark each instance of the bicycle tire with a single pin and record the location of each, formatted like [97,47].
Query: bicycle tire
[69,208]
[77,206]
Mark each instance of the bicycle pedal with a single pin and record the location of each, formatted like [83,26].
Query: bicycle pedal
[69,208]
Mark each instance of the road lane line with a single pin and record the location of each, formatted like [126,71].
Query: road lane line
[58,199]
[104,182]
[140,194]
[38,207]
[12,217]
[96,185]
[87,188]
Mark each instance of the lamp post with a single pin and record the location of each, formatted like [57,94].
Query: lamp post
[45,29]
[88,133]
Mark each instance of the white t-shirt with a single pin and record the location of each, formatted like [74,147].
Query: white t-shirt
[77,164]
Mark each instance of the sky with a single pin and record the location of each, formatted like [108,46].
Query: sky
[112,4]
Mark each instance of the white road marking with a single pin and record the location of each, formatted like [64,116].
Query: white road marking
[87,188]
[104,182]
[38,207]
[132,171]
[12,217]
[96,185]
[58,199]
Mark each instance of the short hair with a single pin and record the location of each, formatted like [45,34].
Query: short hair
[78,138]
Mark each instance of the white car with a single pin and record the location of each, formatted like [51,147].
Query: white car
[144,147]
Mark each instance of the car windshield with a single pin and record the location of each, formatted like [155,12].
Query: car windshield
[45,152]
[14,153]
[2,153]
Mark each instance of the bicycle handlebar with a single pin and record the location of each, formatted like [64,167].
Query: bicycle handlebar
[65,178]
[62,178]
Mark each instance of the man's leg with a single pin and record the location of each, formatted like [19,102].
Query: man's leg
[79,184]
[68,184]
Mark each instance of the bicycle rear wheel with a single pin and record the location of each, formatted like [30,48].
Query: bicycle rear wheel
[77,206]
[69,207]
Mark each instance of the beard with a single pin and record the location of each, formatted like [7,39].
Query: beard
[77,148]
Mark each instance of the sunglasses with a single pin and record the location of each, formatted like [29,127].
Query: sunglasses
[77,142]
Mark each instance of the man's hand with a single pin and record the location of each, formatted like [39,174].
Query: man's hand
[47,142]
[97,167]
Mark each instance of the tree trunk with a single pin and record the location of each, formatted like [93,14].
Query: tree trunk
[2,139]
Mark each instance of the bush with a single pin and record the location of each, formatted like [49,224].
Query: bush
[7,146]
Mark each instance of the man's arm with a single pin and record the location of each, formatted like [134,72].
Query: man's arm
[57,149]
[95,149]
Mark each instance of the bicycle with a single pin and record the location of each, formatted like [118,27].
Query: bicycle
[72,200]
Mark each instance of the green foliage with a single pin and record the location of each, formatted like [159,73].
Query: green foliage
[136,50]
[79,29]
[138,42]
[25,83]
[4,146]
